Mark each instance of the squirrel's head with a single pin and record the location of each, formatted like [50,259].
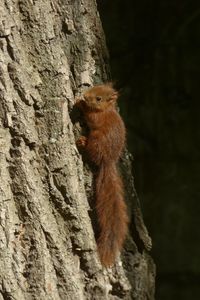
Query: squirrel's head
[100,97]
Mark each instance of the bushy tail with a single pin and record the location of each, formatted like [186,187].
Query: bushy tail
[112,213]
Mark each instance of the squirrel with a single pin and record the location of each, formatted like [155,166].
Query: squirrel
[104,146]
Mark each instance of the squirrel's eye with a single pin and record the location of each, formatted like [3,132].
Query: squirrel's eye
[98,98]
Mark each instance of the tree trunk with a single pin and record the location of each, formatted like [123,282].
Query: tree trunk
[49,51]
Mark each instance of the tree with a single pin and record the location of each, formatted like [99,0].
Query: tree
[50,51]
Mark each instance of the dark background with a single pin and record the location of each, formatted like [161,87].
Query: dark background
[155,60]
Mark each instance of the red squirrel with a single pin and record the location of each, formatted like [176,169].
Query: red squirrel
[104,145]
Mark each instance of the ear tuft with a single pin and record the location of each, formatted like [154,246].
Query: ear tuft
[110,84]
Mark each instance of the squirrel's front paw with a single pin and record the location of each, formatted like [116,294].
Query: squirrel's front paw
[81,142]
[78,99]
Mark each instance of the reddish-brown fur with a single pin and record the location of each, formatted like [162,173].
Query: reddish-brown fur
[104,146]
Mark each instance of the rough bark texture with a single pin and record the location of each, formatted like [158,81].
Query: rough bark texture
[49,51]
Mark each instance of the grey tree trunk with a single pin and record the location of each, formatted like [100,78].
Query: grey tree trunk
[49,51]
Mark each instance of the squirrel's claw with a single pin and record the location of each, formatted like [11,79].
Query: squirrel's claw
[81,142]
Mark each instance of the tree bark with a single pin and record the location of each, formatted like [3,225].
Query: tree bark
[50,50]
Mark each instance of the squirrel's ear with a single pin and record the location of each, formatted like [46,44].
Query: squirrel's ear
[114,96]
